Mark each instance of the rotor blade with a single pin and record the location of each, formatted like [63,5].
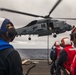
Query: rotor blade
[57,3]
[18,12]
[66,18]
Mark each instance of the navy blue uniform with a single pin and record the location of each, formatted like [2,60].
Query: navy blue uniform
[10,61]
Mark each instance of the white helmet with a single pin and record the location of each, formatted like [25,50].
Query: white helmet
[66,41]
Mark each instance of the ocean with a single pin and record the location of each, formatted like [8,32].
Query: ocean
[34,53]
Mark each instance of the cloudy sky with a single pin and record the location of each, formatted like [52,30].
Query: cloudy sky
[67,8]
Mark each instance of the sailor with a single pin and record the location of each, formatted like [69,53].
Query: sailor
[73,36]
[66,56]
[73,64]
[55,50]
[10,60]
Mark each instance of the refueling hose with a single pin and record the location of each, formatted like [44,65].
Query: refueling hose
[29,63]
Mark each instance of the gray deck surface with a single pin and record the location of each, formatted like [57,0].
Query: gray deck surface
[41,68]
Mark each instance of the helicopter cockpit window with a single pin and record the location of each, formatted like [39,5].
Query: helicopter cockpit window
[32,23]
[43,25]
[63,22]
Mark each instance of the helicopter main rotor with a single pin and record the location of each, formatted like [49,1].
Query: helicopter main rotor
[34,15]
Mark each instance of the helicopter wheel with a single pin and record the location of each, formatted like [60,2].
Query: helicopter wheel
[54,35]
[29,38]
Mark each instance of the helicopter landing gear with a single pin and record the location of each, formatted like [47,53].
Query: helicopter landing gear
[29,38]
[54,35]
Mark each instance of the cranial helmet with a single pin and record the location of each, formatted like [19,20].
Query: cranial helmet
[3,23]
[57,43]
[8,30]
[66,41]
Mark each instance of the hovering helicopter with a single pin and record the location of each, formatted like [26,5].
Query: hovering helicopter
[43,27]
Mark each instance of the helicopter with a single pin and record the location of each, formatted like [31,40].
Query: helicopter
[45,26]
[41,28]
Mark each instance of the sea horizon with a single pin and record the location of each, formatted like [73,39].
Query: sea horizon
[34,53]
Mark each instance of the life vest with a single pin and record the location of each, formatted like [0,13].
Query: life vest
[55,52]
[70,55]
[73,66]
[58,49]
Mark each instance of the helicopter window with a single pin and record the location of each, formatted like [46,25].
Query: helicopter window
[43,25]
[50,25]
[31,23]
[63,22]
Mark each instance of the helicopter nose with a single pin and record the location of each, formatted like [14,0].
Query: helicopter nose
[70,27]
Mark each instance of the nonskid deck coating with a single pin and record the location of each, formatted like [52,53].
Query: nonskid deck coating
[42,68]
